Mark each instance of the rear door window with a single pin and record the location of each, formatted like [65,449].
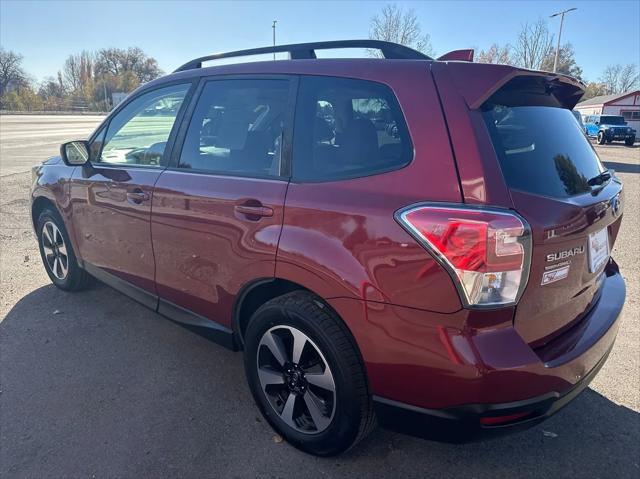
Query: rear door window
[347,128]
[237,128]
[542,150]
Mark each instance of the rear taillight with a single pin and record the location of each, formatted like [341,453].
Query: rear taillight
[487,252]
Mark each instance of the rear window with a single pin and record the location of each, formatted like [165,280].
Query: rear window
[347,128]
[542,149]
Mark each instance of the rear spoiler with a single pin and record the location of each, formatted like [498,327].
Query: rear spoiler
[457,55]
[506,84]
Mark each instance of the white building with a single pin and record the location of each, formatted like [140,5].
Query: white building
[621,104]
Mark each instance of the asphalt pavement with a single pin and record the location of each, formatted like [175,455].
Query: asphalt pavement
[27,139]
[94,385]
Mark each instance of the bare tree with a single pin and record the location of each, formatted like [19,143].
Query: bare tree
[610,77]
[78,72]
[629,78]
[394,24]
[619,78]
[496,54]
[11,72]
[533,45]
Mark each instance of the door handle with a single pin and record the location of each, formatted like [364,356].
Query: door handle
[137,196]
[254,210]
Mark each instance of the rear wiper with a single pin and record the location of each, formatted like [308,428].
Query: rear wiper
[601,178]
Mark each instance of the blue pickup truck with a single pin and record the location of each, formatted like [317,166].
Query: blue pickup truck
[608,128]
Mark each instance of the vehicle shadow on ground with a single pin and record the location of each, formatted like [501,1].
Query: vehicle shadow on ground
[622,167]
[95,384]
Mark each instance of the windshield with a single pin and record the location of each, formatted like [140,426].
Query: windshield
[542,150]
[612,120]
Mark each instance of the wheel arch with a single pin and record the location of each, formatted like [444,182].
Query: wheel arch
[38,205]
[41,202]
[252,296]
[259,291]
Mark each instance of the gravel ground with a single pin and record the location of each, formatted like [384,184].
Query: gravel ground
[95,385]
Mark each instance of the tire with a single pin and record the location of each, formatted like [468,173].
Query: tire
[342,417]
[600,139]
[57,254]
[629,141]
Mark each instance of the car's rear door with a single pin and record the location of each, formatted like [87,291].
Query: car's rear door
[218,209]
[111,196]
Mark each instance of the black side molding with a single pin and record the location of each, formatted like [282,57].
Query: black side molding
[190,320]
[134,292]
[196,323]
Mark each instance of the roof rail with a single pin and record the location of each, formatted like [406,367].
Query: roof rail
[300,51]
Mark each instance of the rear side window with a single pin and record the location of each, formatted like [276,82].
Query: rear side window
[347,128]
[237,128]
[542,150]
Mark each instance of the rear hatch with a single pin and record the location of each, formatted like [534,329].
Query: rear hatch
[570,200]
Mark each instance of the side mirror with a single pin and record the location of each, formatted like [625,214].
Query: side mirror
[75,153]
[597,122]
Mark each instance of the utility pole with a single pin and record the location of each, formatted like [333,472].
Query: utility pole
[106,103]
[555,61]
[274,36]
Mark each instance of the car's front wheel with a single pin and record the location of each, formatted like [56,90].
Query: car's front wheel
[306,375]
[57,253]
[601,139]
[629,141]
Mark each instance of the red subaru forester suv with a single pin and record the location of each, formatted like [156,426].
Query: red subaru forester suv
[422,242]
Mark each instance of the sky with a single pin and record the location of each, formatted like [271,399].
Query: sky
[46,32]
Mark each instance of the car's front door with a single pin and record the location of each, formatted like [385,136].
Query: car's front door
[218,210]
[111,195]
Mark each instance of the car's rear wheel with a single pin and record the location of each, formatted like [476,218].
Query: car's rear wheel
[57,253]
[306,375]
[601,138]
[629,141]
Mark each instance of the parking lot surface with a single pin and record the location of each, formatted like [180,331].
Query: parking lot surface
[94,385]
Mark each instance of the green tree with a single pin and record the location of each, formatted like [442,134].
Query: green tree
[566,61]
[116,61]
[593,89]
[21,99]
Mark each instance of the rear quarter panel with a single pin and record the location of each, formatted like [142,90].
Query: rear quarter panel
[340,238]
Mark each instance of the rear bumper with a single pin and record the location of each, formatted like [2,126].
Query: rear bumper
[566,367]
[431,378]
[463,424]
